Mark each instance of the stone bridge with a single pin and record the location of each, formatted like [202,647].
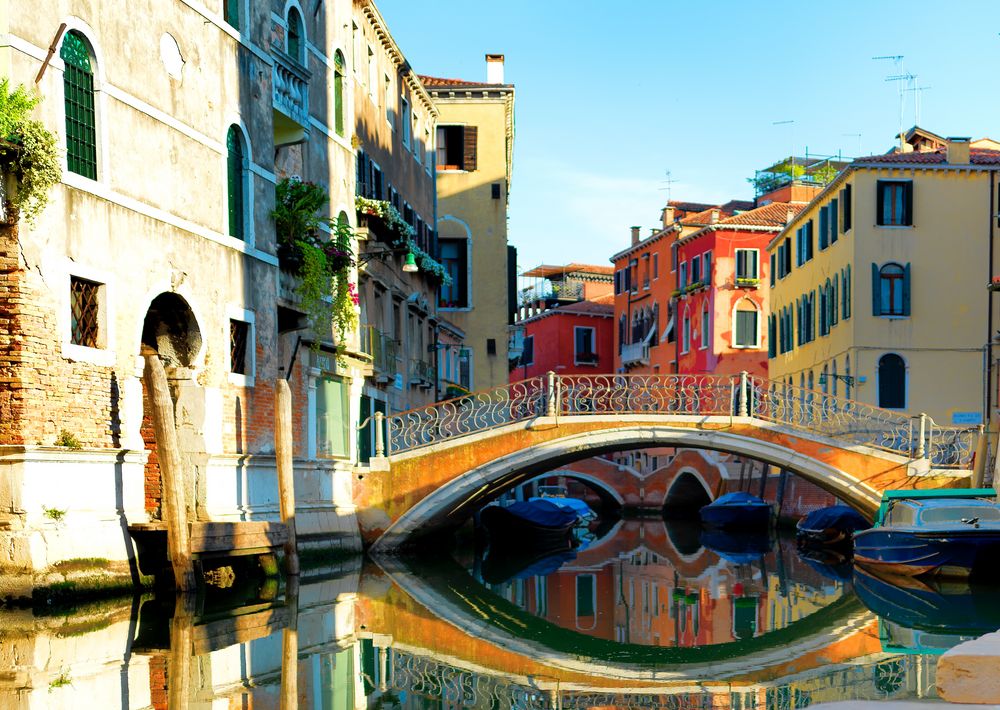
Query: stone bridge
[436,465]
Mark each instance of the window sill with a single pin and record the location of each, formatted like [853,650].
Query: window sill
[94,356]
[452,170]
[894,226]
[455,309]
[892,317]
[239,380]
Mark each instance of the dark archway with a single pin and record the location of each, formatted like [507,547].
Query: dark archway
[686,496]
[891,382]
[171,329]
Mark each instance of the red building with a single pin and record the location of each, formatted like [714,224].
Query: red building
[575,338]
[721,293]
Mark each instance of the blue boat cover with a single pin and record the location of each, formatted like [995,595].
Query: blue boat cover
[546,565]
[737,498]
[574,504]
[542,512]
[840,517]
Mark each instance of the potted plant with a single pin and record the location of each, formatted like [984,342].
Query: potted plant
[28,150]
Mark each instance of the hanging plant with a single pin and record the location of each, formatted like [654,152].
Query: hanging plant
[323,266]
[30,149]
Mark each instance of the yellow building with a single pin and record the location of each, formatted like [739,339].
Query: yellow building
[475,142]
[878,287]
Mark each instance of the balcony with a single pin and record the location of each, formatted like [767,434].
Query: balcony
[635,354]
[290,99]
[422,373]
[383,350]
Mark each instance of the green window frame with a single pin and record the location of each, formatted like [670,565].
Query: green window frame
[332,415]
[232,13]
[81,117]
[339,70]
[236,180]
[294,36]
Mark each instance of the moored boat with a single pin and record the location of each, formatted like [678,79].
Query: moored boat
[948,536]
[833,525]
[737,511]
[539,523]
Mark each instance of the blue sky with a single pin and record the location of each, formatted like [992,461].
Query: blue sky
[610,96]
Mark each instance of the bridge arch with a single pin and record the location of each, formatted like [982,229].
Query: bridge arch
[688,492]
[453,499]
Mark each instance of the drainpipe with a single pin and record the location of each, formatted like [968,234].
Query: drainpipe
[988,394]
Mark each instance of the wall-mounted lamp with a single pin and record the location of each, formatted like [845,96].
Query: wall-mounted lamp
[409,263]
[846,379]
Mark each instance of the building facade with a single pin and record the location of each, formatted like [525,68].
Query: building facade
[871,292]
[474,141]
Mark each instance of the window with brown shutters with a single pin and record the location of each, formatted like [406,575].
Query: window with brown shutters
[457,148]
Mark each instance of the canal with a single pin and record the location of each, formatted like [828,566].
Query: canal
[641,614]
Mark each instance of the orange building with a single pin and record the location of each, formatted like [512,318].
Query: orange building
[645,278]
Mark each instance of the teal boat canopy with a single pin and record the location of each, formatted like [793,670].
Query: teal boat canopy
[935,493]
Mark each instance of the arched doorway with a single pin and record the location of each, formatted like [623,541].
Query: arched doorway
[170,329]
[891,382]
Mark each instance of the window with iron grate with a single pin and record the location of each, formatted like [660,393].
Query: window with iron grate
[85,311]
[81,121]
[239,336]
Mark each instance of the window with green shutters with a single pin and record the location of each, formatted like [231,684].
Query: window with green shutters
[235,180]
[586,596]
[294,43]
[746,325]
[232,12]
[338,92]
[81,121]
[331,417]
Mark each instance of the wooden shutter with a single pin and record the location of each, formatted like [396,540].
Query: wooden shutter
[879,201]
[824,227]
[834,220]
[876,292]
[848,200]
[809,240]
[906,289]
[907,203]
[470,142]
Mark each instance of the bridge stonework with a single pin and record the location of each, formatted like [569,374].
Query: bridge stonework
[439,485]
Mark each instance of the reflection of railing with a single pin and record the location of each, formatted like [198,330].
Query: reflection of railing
[739,395]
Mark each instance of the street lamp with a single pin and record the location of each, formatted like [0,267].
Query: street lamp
[409,263]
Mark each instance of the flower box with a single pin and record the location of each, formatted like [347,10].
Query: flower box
[747,283]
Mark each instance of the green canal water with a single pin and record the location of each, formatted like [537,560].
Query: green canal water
[644,614]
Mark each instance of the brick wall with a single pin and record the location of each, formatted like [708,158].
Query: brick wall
[44,393]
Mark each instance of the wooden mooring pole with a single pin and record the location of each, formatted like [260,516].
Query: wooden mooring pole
[171,473]
[283,454]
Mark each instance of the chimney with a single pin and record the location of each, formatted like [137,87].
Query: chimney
[494,68]
[635,235]
[957,151]
[668,216]
[715,216]
[789,215]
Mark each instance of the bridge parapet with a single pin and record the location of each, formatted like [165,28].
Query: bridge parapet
[842,419]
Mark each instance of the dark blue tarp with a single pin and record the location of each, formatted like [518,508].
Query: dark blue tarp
[579,507]
[737,498]
[839,517]
[542,512]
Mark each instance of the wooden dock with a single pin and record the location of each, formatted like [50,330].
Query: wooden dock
[213,539]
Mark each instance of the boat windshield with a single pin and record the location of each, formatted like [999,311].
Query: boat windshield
[957,513]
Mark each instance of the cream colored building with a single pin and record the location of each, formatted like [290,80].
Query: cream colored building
[474,149]
[878,287]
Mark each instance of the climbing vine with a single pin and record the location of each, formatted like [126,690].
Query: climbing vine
[29,148]
[323,266]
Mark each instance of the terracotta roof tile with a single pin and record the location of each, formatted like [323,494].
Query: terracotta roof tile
[689,206]
[592,308]
[978,156]
[432,81]
[774,214]
[608,298]
[700,218]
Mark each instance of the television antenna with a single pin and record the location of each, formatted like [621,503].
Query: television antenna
[917,91]
[900,76]
[668,182]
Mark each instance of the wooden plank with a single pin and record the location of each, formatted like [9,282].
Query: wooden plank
[222,633]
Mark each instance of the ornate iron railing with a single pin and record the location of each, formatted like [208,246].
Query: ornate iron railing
[915,437]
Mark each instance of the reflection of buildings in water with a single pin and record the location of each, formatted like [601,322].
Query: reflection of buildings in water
[637,588]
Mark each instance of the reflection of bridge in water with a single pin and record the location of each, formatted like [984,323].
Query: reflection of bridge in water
[446,460]
[399,674]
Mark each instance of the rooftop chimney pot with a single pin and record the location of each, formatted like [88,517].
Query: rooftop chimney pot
[957,151]
[494,68]
[635,235]
[715,216]
[668,216]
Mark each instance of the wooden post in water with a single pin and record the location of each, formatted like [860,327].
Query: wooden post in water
[290,646]
[181,650]
[283,454]
[171,472]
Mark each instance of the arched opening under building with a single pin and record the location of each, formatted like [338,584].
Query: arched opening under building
[686,496]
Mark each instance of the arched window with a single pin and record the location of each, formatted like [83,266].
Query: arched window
[746,329]
[236,181]
[686,332]
[833,374]
[706,325]
[622,331]
[891,290]
[293,40]
[338,92]
[825,380]
[81,117]
[891,382]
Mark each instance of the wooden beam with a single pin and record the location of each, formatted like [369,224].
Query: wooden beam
[171,471]
[283,446]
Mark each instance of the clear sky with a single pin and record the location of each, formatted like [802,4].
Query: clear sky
[611,96]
